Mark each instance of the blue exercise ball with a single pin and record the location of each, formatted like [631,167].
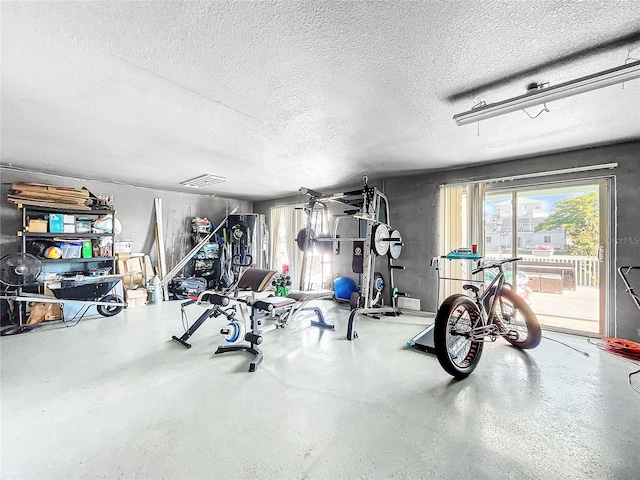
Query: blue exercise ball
[343,287]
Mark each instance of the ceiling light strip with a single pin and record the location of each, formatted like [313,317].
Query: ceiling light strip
[602,79]
[563,171]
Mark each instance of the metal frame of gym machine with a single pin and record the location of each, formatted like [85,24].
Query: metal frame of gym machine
[378,240]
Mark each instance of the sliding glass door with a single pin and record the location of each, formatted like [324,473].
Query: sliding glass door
[561,232]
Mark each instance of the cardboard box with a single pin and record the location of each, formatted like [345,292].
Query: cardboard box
[68,223]
[132,268]
[124,246]
[37,226]
[54,313]
[136,298]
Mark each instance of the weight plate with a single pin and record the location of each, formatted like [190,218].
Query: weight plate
[305,238]
[380,244]
[395,246]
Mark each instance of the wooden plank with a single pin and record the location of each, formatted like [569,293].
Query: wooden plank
[36,187]
[162,265]
[48,204]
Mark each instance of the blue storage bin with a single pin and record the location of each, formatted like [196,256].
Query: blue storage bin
[56,224]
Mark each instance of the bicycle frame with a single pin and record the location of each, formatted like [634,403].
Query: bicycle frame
[487,319]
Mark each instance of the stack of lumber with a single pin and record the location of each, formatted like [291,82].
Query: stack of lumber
[39,195]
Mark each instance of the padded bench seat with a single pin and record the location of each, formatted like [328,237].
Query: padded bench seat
[268,303]
[310,295]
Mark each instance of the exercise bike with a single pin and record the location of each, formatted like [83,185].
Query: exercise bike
[464,323]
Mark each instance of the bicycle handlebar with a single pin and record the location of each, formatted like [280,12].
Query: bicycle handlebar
[494,265]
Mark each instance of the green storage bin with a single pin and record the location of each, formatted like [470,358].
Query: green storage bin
[87,249]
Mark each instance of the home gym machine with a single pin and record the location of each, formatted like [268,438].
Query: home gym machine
[376,239]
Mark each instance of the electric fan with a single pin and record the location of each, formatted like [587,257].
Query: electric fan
[18,270]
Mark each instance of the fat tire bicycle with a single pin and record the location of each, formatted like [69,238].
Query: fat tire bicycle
[464,323]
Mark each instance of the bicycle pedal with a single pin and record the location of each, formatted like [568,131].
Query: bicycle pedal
[512,335]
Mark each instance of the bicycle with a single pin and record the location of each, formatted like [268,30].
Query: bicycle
[463,323]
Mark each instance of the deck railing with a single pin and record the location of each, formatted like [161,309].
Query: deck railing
[587,269]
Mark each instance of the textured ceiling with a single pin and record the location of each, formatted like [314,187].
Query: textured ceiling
[278,95]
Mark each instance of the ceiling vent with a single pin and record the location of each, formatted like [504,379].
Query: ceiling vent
[204,181]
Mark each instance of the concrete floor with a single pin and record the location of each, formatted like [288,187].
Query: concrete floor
[115,398]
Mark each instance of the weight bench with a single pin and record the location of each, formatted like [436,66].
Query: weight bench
[282,310]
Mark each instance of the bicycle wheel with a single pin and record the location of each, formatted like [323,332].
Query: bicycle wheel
[108,310]
[517,317]
[457,352]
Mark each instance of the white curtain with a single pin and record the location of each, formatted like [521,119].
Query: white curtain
[318,272]
[475,218]
[285,223]
[461,225]
[451,235]
[275,229]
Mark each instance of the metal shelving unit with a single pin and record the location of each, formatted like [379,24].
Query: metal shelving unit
[30,212]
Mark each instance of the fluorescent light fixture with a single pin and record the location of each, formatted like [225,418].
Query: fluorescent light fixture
[606,78]
[204,181]
[587,168]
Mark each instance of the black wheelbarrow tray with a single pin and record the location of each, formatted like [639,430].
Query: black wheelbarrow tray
[90,291]
[84,288]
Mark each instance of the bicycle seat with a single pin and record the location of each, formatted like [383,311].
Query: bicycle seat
[473,288]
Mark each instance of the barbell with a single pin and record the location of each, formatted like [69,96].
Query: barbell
[383,241]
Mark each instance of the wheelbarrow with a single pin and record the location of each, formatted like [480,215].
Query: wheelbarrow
[86,291]
[90,291]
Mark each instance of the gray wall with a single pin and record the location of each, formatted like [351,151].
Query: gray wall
[414,209]
[135,209]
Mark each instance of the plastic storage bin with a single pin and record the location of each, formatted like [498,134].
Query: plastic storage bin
[70,250]
[87,249]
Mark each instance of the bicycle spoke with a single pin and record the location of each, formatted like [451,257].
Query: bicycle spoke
[458,339]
